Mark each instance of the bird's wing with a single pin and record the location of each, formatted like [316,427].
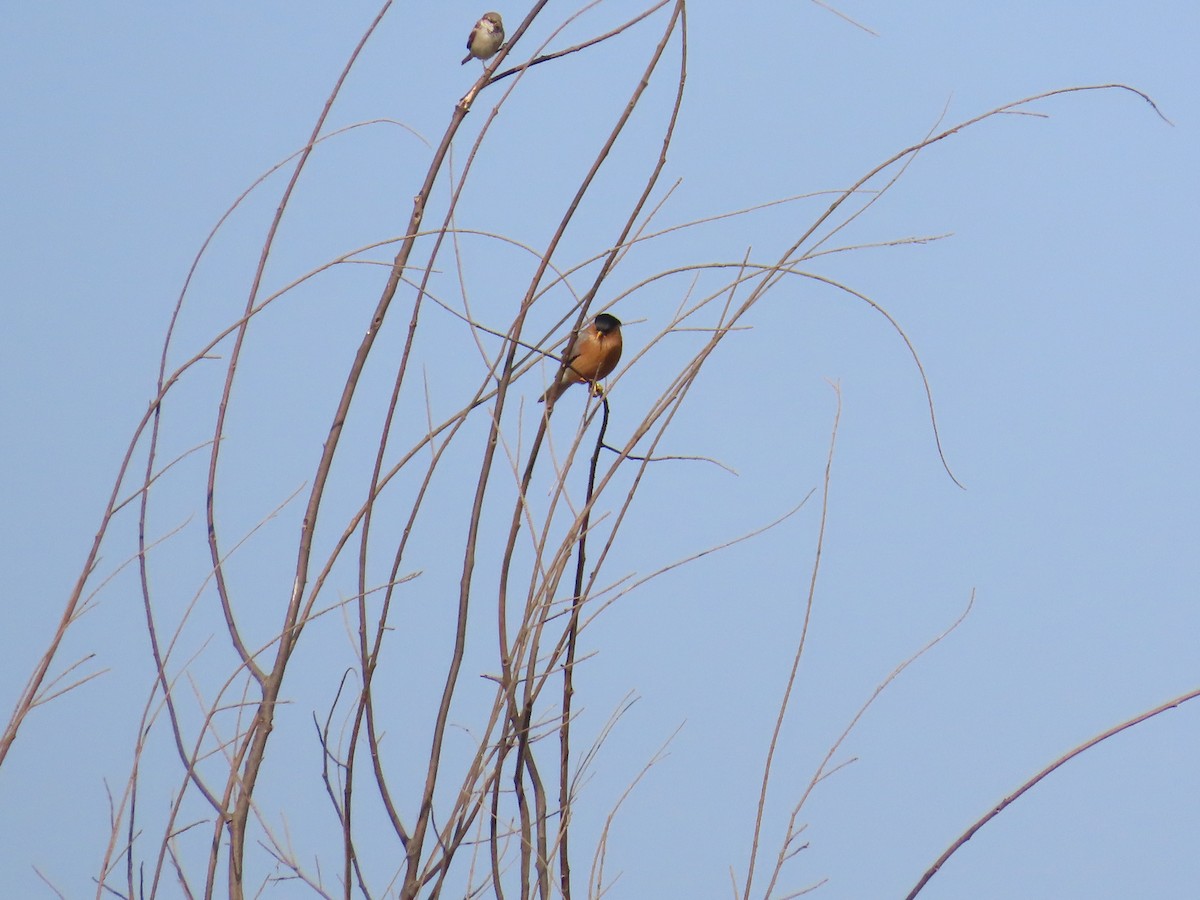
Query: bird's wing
[574,347]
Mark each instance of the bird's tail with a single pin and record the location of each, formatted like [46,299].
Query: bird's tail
[554,392]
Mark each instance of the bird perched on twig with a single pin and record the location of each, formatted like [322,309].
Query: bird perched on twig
[486,38]
[593,353]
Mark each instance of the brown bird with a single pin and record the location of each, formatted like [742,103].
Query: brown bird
[593,354]
[485,38]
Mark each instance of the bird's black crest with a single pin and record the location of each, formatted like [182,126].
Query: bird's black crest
[605,323]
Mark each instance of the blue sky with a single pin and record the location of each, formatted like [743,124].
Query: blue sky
[1057,325]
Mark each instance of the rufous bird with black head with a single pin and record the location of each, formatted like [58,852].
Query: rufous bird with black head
[593,354]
